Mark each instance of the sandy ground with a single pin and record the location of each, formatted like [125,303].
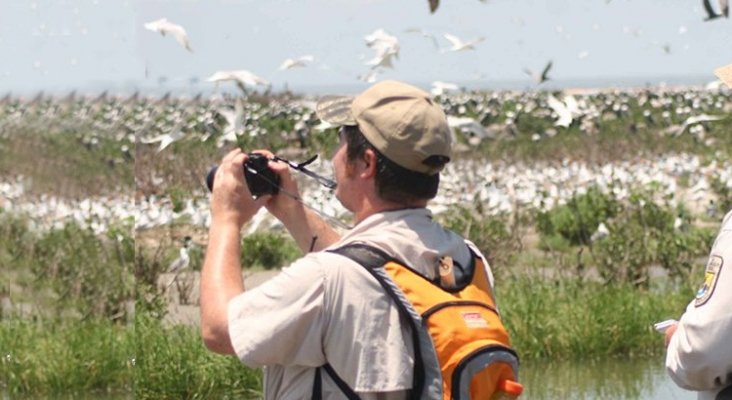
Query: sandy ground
[183,295]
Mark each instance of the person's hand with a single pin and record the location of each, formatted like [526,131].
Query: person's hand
[231,200]
[282,205]
[669,334]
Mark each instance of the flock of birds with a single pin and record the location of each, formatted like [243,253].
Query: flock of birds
[498,186]
[476,117]
[386,48]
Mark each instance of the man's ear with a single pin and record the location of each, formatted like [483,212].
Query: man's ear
[369,164]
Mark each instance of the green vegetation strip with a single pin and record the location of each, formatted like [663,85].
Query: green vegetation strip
[565,319]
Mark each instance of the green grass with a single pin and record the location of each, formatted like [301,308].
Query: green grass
[57,357]
[548,320]
[172,363]
[573,319]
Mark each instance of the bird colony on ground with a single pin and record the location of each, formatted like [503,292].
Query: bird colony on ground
[477,118]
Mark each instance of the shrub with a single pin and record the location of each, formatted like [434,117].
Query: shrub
[91,274]
[642,235]
[577,220]
[497,236]
[268,250]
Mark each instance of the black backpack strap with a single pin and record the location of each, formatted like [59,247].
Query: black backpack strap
[318,384]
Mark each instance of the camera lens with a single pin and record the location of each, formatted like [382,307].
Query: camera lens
[260,179]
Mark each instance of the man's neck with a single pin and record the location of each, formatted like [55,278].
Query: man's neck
[370,208]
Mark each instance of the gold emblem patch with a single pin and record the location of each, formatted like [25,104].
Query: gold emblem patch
[711,274]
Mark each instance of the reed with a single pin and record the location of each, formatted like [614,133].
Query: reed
[569,318]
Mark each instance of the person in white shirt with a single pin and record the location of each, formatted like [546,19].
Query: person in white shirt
[325,308]
[699,347]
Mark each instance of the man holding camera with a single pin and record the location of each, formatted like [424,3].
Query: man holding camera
[324,308]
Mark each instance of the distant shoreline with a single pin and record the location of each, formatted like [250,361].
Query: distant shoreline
[573,86]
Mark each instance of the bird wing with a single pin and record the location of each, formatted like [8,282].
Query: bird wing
[475,41]
[454,40]
[545,73]
[565,116]
[157,25]
[220,76]
[287,64]
[433,5]
[572,105]
[708,8]
[181,36]
[248,78]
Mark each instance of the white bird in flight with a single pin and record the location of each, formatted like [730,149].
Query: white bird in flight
[242,78]
[460,45]
[677,130]
[386,46]
[234,124]
[566,111]
[166,139]
[540,78]
[163,26]
[296,62]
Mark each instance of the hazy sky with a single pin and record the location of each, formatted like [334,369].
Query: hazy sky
[89,45]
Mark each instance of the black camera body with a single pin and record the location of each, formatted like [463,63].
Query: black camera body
[260,178]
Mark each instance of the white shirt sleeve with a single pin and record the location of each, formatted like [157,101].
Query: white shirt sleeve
[280,322]
[699,355]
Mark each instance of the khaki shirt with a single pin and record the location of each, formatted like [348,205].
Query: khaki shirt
[699,355]
[326,308]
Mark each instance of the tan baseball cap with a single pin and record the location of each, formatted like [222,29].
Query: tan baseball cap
[725,74]
[399,120]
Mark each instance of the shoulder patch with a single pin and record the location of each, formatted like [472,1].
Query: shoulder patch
[711,274]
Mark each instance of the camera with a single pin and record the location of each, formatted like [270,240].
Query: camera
[260,179]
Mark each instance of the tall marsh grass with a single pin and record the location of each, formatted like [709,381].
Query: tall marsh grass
[58,357]
[573,319]
[172,363]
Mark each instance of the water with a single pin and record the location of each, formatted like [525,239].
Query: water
[642,379]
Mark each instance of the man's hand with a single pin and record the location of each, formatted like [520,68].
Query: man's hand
[231,200]
[283,206]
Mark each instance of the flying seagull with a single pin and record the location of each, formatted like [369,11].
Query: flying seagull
[544,74]
[677,130]
[296,62]
[166,139]
[242,78]
[386,46]
[460,45]
[164,27]
[565,110]
[712,14]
